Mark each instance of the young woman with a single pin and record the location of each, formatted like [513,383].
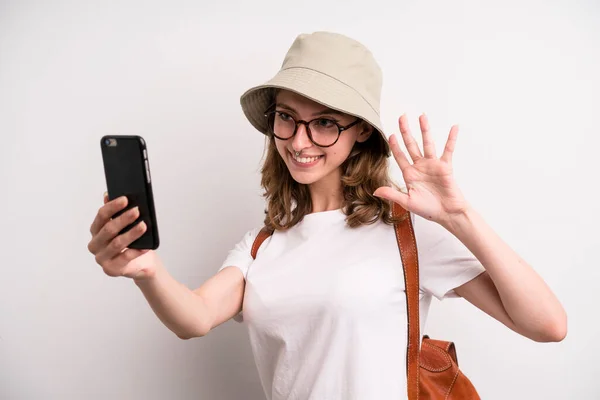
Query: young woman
[324,300]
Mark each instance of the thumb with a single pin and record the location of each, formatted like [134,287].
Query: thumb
[392,194]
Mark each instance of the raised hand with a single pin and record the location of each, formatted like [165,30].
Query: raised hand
[432,191]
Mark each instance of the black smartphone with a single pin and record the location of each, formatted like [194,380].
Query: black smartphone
[127,173]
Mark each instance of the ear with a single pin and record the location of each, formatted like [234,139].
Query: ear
[366,131]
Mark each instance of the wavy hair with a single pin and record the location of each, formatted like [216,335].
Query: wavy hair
[365,170]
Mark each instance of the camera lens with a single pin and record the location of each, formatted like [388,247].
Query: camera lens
[107,141]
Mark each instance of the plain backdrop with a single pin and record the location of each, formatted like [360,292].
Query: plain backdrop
[521,78]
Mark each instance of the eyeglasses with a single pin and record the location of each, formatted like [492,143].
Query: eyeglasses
[323,132]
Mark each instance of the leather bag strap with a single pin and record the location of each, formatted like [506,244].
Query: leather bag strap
[407,245]
[262,236]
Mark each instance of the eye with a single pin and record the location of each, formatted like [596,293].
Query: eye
[283,116]
[325,123]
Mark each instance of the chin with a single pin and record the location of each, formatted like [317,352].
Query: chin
[304,178]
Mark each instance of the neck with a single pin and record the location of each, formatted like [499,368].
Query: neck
[327,193]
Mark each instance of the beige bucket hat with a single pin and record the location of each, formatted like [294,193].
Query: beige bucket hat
[329,68]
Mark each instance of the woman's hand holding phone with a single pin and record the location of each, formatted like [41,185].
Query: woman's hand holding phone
[110,248]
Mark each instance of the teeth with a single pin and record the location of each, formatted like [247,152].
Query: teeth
[305,160]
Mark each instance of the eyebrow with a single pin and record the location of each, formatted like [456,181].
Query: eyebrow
[316,114]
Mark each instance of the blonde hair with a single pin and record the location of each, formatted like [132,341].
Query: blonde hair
[365,170]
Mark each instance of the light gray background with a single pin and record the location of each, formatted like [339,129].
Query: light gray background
[520,77]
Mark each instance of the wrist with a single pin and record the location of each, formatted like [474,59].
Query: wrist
[148,276]
[461,221]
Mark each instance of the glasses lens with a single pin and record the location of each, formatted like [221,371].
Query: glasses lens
[324,131]
[282,124]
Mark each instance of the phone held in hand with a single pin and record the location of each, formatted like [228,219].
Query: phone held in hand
[127,173]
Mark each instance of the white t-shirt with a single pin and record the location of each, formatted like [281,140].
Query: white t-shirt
[326,309]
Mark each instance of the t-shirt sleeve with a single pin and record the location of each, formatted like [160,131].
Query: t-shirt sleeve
[240,257]
[445,263]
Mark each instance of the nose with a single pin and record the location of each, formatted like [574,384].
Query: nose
[301,140]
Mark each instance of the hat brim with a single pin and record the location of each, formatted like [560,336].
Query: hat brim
[315,86]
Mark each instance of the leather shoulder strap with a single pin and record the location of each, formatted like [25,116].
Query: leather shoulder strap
[407,245]
[260,238]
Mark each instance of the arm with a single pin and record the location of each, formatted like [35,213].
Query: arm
[193,313]
[185,312]
[510,290]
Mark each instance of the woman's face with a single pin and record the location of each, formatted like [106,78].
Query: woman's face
[314,162]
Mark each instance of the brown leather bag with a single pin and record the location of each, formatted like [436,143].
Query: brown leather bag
[432,370]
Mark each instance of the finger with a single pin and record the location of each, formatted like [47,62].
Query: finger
[106,212]
[398,153]
[111,229]
[105,197]
[450,144]
[392,194]
[118,265]
[428,144]
[120,243]
[409,141]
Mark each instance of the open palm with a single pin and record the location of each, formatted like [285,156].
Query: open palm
[432,190]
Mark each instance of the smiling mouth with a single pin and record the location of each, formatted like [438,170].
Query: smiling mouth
[305,160]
